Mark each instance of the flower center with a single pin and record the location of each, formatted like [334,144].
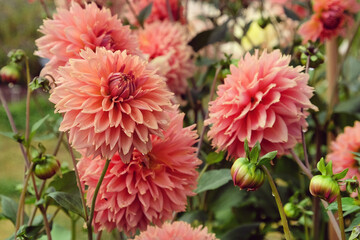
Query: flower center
[121,85]
[332,18]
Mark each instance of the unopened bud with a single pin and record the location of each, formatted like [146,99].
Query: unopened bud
[46,167]
[291,210]
[10,73]
[324,187]
[247,175]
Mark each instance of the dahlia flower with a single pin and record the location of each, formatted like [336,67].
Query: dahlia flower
[330,19]
[73,30]
[176,230]
[111,103]
[149,188]
[261,100]
[341,151]
[165,43]
[159,10]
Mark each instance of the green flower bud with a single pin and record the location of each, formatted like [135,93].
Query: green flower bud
[291,210]
[324,187]
[10,73]
[247,175]
[46,167]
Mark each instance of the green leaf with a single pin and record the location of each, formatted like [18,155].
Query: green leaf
[144,14]
[209,37]
[267,158]
[30,232]
[291,14]
[241,232]
[246,148]
[214,157]
[255,152]
[8,134]
[190,217]
[37,125]
[355,233]
[321,166]
[346,202]
[67,183]
[71,202]
[355,222]
[9,208]
[341,175]
[329,170]
[213,179]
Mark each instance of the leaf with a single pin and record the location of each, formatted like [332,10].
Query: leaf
[8,134]
[9,208]
[213,179]
[341,175]
[329,170]
[68,201]
[37,125]
[208,37]
[190,217]
[346,202]
[66,184]
[30,232]
[355,233]
[352,105]
[246,148]
[267,158]
[321,166]
[255,152]
[354,223]
[291,14]
[144,14]
[241,232]
[214,157]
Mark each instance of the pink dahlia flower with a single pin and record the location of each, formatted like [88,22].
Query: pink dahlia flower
[111,103]
[73,30]
[166,45]
[330,19]
[261,100]
[342,151]
[176,230]
[159,10]
[149,188]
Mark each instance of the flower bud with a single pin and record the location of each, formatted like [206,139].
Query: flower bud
[10,73]
[247,175]
[46,167]
[324,187]
[291,210]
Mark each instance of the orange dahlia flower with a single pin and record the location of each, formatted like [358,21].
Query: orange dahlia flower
[176,230]
[166,45]
[111,103]
[72,30]
[151,187]
[261,100]
[330,19]
[341,151]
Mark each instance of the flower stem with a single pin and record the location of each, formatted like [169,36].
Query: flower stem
[341,217]
[332,73]
[278,203]
[94,198]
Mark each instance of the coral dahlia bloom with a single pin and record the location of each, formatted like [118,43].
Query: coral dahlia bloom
[149,188]
[176,230]
[73,30]
[111,103]
[330,19]
[261,100]
[165,43]
[159,10]
[341,151]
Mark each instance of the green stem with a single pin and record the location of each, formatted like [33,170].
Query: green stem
[73,229]
[306,228]
[278,203]
[341,217]
[94,198]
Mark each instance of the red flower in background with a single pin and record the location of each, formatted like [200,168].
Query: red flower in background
[331,18]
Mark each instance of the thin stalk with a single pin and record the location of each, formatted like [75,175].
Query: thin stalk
[212,91]
[301,165]
[132,10]
[20,210]
[28,95]
[73,229]
[341,217]
[332,73]
[94,198]
[98,236]
[302,129]
[43,4]
[78,179]
[168,8]
[278,203]
[306,229]
[46,222]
